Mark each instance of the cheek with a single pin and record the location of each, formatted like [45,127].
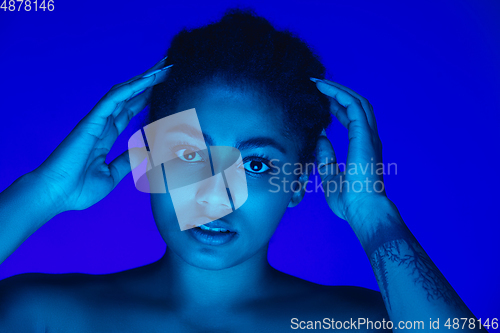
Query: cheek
[163,212]
[265,207]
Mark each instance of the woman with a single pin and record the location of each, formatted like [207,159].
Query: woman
[251,88]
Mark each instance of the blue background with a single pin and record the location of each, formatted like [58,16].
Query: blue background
[430,69]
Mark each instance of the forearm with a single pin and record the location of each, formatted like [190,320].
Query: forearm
[413,288]
[24,207]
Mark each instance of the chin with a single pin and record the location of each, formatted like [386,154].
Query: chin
[209,259]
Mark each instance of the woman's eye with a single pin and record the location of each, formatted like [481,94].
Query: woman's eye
[256,166]
[188,155]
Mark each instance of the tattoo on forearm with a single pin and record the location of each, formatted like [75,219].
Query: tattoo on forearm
[405,251]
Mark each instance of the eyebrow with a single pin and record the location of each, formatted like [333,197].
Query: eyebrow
[257,142]
[192,132]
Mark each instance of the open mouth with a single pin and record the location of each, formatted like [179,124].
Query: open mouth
[204,227]
[212,235]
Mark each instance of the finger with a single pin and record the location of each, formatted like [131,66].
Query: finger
[325,158]
[367,107]
[339,111]
[91,130]
[158,74]
[115,126]
[145,93]
[119,167]
[108,104]
[94,135]
[158,65]
[127,161]
[131,109]
[357,122]
[361,136]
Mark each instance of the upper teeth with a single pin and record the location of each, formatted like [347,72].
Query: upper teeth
[212,229]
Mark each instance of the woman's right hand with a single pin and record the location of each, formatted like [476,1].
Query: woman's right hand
[75,176]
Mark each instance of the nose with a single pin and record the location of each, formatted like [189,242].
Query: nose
[213,198]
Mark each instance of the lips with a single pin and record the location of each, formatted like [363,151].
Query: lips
[218,224]
[214,233]
[204,227]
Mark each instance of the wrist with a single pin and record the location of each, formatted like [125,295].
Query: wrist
[47,204]
[371,215]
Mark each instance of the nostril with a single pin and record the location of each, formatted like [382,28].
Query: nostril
[214,205]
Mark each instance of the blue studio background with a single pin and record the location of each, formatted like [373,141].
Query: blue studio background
[429,68]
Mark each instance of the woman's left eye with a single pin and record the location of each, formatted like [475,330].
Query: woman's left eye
[256,166]
[188,155]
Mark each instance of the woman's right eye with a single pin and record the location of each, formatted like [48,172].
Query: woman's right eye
[256,166]
[188,155]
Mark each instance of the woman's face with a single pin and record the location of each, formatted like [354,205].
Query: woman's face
[243,119]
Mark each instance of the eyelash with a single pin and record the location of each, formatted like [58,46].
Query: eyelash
[260,158]
[256,157]
[184,145]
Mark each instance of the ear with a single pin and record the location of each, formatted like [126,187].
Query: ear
[300,191]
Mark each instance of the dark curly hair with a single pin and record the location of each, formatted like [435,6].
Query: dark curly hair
[246,49]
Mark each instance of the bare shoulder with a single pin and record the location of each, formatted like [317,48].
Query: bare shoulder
[312,302]
[30,302]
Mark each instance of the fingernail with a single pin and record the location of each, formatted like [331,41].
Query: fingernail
[161,60]
[313,79]
[157,71]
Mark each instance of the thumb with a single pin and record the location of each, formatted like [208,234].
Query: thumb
[326,160]
[127,161]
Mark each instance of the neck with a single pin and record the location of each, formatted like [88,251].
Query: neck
[193,286]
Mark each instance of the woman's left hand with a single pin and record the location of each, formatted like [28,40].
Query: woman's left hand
[354,192]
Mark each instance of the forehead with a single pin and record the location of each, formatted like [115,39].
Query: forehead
[230,114]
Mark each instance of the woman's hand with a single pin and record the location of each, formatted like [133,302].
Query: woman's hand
[357,195]
[75,176]
[351,194]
